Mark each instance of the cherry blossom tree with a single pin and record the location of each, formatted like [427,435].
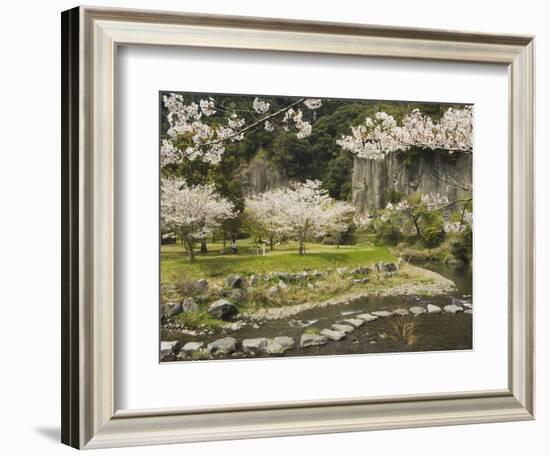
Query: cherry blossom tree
[193,212]
[263,210]
[301,211]
[201,131]
[338,215]
[377,137]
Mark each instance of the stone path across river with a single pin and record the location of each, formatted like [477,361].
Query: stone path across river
[337,332]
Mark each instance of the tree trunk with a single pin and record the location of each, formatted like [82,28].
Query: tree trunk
[270,242]
[302,248]
[190,251]
[338,240]
[418,232]
[204,249]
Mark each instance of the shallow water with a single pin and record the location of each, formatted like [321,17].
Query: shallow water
[435,332]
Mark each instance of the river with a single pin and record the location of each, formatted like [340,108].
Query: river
[444,331]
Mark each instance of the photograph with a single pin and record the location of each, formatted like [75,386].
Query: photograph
[298,226]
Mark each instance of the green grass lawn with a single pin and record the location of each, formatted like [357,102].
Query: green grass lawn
[285,258]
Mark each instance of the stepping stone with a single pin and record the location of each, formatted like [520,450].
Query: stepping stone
[367,317]
[191,347]
[333,335]
[381,313]
[417,310]
[468,305]
[285,341]
[468,311]
[343,328]
[433,309]
[356,322]
[168,348]
[451,308]
[309,340]
[401,312]
[254,345]
[278,345]
[223,346]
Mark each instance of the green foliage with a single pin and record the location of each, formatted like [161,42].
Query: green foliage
[431,226]
[461,245]
[387,231]
[312,331]
[394,196]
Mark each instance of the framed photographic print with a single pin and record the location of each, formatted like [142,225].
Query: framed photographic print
[301,227]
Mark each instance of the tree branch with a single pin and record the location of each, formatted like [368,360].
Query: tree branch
[252,125]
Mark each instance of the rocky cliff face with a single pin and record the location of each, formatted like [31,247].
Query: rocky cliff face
[260,175]
[425,172]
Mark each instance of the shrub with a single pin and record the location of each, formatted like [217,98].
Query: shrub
[431,226]
[461,245]
[387,231]
[404,329]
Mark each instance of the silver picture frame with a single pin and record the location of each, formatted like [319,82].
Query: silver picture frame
[90,39]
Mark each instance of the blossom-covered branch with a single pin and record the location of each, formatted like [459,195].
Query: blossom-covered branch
[201,131]
[379,136]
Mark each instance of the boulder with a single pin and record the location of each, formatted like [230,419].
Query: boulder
[278,345]
[360,270]
[201,285]
[342,271]
[332,334]
[469,311]
[222,309]
[356,322]
[451,308]
[366,317]
[255,345]
[433,309]
[168,348]
[347,329]
[310,286]
[254,279]
[309,340]
[223,346]
[381,313]
[401,312]
[274,348]
[234,281]
[417,310]
[172,308]
[189,305]
[284,341]
[191,347]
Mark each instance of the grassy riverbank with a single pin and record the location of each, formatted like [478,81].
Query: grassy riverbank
[284,282]
[174,262]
